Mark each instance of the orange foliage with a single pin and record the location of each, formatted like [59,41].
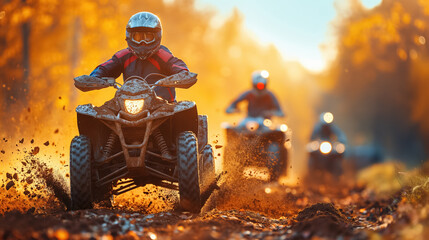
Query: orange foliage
[70,38]
[380,83]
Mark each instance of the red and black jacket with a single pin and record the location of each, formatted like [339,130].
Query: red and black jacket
[126,63]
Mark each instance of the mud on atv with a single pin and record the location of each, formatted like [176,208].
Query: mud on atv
[138,138]
[257,142]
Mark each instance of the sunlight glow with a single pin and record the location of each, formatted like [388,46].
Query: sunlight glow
[316,64]
[265,74]
[370,3]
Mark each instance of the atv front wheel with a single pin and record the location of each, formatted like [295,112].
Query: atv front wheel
[187,160]
[80,173]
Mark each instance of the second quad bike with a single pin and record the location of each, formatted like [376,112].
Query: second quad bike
[257,142]
[138,138]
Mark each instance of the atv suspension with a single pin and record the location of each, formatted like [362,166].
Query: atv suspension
[109,144]
[160,141]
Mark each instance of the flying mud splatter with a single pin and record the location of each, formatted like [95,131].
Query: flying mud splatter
[32,186]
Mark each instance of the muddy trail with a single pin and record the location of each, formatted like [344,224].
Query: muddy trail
[34,200]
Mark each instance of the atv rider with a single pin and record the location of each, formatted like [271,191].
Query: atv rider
[261,102]
[145,55]
[326,130]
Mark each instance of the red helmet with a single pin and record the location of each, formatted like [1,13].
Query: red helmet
[260,79]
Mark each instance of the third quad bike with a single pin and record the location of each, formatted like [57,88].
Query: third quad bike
[257,142]
[325,157]
[138,138]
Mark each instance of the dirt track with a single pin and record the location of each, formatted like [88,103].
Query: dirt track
[274,212]
[34,198]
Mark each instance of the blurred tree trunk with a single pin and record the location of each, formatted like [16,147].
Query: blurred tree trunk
[22,88]
[25,50]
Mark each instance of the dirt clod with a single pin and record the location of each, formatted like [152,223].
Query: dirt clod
[35,151]
[9,185]
[323,220]
[29,180]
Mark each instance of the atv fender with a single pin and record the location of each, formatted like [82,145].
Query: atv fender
[90,126]
[202,132]
[186,118]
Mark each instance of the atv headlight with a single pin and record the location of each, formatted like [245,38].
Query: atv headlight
[325,147]
[252,125]
[340,148]
[134,106]
[268,123]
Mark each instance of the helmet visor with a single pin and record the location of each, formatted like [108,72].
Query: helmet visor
[143,37]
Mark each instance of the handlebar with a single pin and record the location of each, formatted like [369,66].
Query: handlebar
[184,79]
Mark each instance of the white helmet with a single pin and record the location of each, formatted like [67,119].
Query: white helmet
[143,34]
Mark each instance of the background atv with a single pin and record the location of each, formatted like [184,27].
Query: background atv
[257,142]
[325,157]
[138,138]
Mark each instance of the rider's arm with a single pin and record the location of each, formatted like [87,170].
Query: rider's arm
[112,67]
[278,110]
[233,105]
[316,132]
[171,64]
[341,137]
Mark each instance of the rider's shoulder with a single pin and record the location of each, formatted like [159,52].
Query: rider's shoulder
[270,93]
[164,53]
[122,53]
[247,94]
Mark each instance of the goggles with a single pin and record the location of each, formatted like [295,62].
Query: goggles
[143,37]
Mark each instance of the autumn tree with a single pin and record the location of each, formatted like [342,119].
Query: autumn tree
[377,90]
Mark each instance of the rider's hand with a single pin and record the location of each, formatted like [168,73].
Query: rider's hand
[109,80]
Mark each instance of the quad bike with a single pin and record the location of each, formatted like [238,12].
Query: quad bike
[137,138]
[325,157]
[257,142]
